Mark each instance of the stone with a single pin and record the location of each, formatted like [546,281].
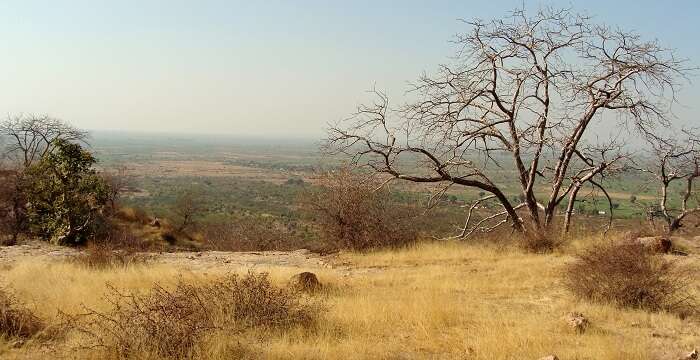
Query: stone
[656,244]
[305,282]
[577,321]
[155,223]
[693,355]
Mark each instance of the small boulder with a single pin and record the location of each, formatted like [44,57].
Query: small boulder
[549,357]
[305,282]
[656,244]
[693,355]
[155,223]
[577,322]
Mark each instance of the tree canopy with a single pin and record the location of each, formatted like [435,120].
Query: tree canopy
[64,194]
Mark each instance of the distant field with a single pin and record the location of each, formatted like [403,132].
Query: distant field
[204,168]
[252,174]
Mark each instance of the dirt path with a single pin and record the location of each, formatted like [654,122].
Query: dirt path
[198,261]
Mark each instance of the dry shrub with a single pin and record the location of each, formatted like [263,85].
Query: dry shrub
[116,246]
[252,301]
[627,275]
[540,243]
[356,212]
[133,215]
[122,237]
[174,323]
[253,233]
[16,321]
[104,256]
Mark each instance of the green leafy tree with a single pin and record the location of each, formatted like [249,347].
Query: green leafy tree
[65,196]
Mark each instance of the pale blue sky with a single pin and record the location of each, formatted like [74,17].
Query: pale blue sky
[252,68]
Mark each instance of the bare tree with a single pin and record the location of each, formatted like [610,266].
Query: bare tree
[30,137]
[525,90]
[187,209]
[118,182]
[675,159]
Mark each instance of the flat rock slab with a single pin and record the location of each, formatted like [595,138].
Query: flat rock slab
[197,261]
[302,259]
[35,250]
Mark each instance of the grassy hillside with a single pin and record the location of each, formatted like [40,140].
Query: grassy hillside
[442,300]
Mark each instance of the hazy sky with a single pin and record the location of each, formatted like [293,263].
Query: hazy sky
[256,67]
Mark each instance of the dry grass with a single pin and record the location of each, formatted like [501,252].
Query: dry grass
[437,300]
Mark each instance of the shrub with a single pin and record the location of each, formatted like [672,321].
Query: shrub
[627,275]
[114,246]
[255,233]
[252,301]
[540,243]
[16,320]
[121,237]
[103,256]
[358,213]
[173,323]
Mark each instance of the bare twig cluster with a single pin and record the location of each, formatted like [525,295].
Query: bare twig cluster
[30,137]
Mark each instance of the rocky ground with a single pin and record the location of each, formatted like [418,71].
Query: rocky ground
[206,260]
[35,250]
[198,261]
